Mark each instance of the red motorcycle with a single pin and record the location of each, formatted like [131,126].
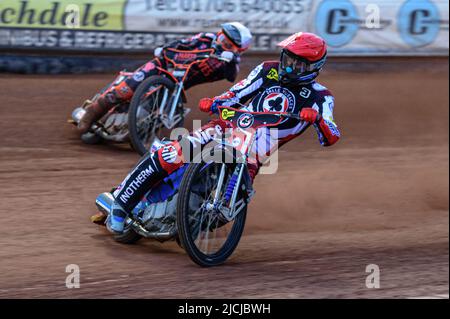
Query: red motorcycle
[157,105]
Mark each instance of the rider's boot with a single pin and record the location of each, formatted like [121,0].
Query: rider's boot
[94,111]
[104,103]
[115,222]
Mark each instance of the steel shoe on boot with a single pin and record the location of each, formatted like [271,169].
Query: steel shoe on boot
[99,218]
[115,222]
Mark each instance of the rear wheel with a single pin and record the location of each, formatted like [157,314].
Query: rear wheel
[150,104]
[206,236]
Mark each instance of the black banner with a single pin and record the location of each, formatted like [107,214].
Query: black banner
[26,64]
[105,41]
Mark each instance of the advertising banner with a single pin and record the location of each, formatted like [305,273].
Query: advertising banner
[350,27]
[383,27]
[141,25]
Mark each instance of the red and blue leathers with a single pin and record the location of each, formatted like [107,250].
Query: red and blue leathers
[263,92]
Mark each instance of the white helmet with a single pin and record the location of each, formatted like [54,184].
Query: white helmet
[238,34]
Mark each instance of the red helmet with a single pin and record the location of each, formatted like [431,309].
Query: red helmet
[302,58]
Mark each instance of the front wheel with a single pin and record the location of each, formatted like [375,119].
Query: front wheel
[148,110]
[205,235]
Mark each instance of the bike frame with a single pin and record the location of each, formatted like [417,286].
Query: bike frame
[182,62]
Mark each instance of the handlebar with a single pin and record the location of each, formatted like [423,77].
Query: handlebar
[220,58]
[215,56]
[214,109]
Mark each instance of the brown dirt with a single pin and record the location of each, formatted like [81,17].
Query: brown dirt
[379,196]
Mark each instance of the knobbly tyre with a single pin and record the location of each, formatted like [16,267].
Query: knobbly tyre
[157,105]
[203,204]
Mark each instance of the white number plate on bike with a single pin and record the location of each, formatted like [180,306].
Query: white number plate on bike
[178,73]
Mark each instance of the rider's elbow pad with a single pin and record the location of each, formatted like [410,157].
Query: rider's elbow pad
[329,132]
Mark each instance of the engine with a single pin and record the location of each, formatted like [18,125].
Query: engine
[160,217]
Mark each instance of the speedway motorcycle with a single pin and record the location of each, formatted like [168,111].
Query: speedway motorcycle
[203,204]
[157,105]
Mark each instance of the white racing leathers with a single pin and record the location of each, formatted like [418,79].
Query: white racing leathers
[264,93]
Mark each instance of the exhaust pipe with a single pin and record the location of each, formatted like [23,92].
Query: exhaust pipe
[104,202]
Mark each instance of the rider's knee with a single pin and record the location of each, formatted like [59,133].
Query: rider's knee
[170,157]
[123,91]
[115,95]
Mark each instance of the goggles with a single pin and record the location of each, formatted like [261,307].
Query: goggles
[292,65]
[226,43]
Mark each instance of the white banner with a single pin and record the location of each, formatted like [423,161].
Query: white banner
[382,27]
[350,27]
[269,20]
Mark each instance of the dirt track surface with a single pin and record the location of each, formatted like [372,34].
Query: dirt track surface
[379,196]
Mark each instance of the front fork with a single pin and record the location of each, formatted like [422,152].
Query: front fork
[232,190]
[169,122]
[230,193]
[239,170]
[179,90]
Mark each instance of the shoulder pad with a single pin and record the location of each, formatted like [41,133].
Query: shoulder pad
[196,36]
[271,64]
[209,35]
[319,87]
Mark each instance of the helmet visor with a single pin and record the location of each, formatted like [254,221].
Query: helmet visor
[226,43]
[297,66]
[294,66]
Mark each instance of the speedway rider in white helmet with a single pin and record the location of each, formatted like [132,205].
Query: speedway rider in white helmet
[233,38]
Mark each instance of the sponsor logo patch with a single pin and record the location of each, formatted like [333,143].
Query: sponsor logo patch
[332,127]
[277,99]
[139,76]
[273,74]
[227,114]
[169,154]
[245,120]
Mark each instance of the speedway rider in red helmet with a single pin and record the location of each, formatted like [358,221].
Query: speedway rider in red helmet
[287,85]
[233,37]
